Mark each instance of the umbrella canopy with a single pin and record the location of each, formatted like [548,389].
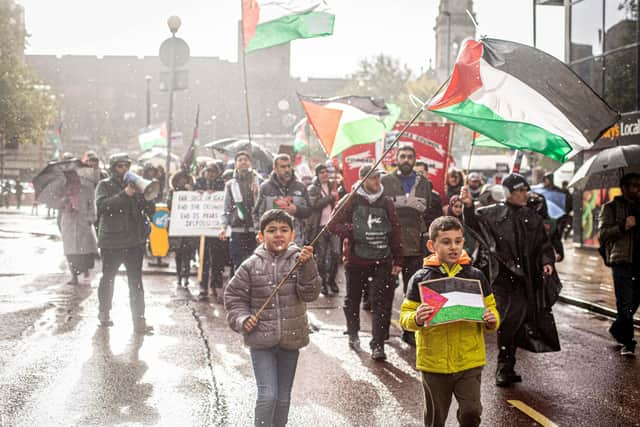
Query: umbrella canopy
[49,183]
[605,168]
[157,157]
[262,160]
[54,171]
[556,201]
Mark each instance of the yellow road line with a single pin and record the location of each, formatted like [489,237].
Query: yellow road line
[532,413]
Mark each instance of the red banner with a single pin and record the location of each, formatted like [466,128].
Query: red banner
[431,141]
[353,158]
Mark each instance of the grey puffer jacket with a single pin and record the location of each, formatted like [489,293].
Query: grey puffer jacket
[284,322]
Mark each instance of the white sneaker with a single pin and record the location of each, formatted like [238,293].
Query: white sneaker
[627,351]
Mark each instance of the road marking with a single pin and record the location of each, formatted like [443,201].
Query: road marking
[532,413]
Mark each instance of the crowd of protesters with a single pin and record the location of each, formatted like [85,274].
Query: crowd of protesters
[393,232]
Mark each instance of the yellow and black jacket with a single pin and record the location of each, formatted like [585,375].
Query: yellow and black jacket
[451,347]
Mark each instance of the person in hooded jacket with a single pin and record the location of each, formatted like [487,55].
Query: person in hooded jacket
[522,247]
[216,251]
[123,224]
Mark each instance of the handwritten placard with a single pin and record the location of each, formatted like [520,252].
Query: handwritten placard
[196,214]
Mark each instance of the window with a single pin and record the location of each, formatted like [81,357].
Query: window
[621,19]
[586,29]
[590,70]
[621,79]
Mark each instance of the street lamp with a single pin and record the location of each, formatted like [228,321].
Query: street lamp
[448,15]
[174,23]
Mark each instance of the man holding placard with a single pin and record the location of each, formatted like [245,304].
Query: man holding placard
[450,305]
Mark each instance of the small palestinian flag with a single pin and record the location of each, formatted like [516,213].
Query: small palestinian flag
[343,122]
[523,98]
[267,23]
[462,298]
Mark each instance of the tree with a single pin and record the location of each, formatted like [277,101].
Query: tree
[384,77]
[25,110]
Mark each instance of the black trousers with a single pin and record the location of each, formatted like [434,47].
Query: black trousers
[511,301]
[378,278]
[626,282]
[216,254]
[112,259]
[410,264]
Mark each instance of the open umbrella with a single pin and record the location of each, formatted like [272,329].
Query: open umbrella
[49,183]
[157,157]
[605,168]
[262,160]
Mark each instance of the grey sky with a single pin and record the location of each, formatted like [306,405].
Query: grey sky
[401,28]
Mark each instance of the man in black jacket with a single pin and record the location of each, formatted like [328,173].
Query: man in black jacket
[283,191]
[417,206]
[123,217]
[524,253]
[620,234]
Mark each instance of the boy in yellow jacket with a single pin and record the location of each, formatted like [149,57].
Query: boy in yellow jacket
[451,355]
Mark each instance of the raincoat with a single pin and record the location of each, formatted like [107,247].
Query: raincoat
[519,242]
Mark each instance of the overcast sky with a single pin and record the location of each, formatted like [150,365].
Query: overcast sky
[363,28]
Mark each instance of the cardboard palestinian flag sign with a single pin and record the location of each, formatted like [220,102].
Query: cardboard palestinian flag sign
[522,98]
[454,299]
[267,23]
[342,122]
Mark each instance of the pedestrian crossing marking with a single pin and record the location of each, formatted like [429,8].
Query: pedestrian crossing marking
[532,413]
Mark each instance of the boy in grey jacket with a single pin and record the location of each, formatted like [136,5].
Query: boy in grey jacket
[282,329]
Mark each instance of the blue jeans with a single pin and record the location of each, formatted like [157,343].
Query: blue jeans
[274,369]
[626,282]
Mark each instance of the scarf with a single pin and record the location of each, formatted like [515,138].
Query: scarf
[371,198]
[434,261]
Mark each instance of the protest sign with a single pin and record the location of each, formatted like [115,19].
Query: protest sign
[196,214]
[454,299]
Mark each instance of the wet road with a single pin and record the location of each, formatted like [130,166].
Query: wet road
[58,368]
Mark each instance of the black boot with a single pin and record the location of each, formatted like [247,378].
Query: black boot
[354,342]
[325,289]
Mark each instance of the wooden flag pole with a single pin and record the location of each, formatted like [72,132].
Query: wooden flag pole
[346,200]
[201,259]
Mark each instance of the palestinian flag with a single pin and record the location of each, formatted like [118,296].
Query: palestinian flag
[346,121]
[461,299]
[523,98]
[267,23]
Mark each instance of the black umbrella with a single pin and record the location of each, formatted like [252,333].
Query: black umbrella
[607,167]
[262,160]
[49,183]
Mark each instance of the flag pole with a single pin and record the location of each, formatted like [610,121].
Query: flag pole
[348,197]
[244,79]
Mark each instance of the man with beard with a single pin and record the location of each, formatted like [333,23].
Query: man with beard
[283,191]
[369,224]
[474,182]
[240,194]
[521,246]
[620,235]
[417,206]
[122,232]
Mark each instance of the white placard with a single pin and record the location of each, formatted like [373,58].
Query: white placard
[196,214]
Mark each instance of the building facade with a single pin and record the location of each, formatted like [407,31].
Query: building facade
[603,48]
[453,25]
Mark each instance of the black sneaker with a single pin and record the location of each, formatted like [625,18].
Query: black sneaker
[378,354]
[366,306]
[628,351]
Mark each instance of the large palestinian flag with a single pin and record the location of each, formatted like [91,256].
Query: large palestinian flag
[267,23]
[343,122]
[453,299]
[522,98]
